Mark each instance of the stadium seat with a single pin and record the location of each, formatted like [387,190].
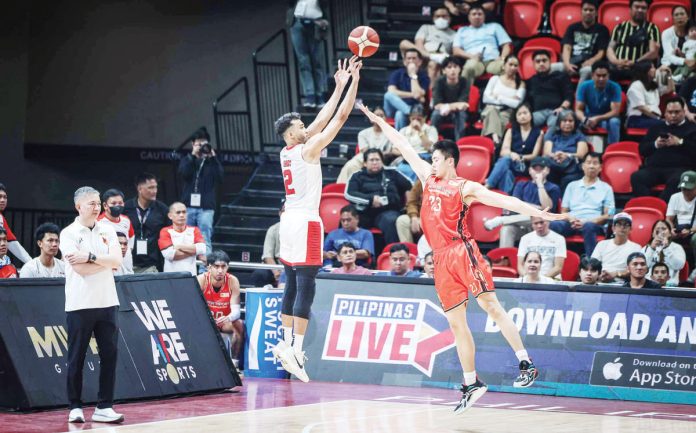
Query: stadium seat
[527,63]
[544,43]
[571,264]
[383,262]
[522,18]
[643,220]
[647,201]
[504,272]
[412,248]
[339,188]
[497,254]
[474,163]
[684,273]
[660,12]
[577,239]
[612,13]
[477,215]
[623,146]
[617,168]
[330,209]
[563,14]
[476,141]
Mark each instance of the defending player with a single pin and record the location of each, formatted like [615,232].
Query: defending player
[459,265]
[301,231]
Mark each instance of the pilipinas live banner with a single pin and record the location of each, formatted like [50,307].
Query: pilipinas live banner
[606,342]
[167,344]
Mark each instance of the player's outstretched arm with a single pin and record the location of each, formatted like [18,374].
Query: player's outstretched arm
[314,146]
[478,192]
[341,77]
[419,166]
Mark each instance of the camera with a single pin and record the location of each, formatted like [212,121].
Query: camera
[206,149]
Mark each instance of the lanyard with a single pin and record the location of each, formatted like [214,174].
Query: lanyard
[142,219]
[198,174]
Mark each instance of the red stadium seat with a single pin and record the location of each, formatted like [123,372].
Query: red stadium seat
[660,12]
[476,141]
[617,168]
[522,18]
[412,248]
[577,239]
[563,14]
[527,63]
[477,215]
[684,273]
[544,43]
[383,262]
[504,272]
[330,209]
[474,163]
[613,13]
[339,188]
[643,220]
[571,266]
[474,99]
[647,201]
[622,146]
[497,254]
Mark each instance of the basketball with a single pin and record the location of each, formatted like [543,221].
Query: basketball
[363,41]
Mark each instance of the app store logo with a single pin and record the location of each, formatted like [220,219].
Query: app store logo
[612,370]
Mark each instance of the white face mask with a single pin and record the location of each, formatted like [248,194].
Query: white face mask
[441,23]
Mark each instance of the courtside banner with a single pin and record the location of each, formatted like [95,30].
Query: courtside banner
[636,345]
[262,324]
[168,343]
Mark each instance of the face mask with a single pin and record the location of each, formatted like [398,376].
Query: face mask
[115,210]
[441,23]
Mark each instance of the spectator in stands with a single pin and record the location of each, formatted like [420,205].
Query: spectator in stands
[433,41]
[409,224]
[346,257]
[308,27]
[460,10]
[377,194]
[421,136]
[368,138]
[660,274]
[637,269]
[407,87]
[537,192]
[12,244]
[521,144]
[550,245]
[689,51]
[687,92]
[428,266]
[434,71]
[201,171]
[148,216]
[681,211]
[669,150]
[483,45]
[7,269]
[361,239]
[589,201]
[633,41]
[46,265]
[400,263]
[614,252]
[113,206]
[644,96]
[503,94]
[598,102]
[590,270]
[660,248]
[451,98]
[124,269]
[530,269]
[222,293]
[180,243]
[564,148]
[270,255]
[584,43]
[672,41]
[548,92]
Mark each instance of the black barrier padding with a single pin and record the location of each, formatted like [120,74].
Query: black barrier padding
[168,342]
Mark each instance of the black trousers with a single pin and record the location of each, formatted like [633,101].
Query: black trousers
[647,177]
[103,322]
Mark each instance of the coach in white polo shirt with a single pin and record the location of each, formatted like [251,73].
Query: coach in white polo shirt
[91,252]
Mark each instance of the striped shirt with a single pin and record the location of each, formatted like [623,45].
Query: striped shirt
[628,48]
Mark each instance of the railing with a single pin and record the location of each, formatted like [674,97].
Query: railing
[233,131]
[273,87]
[345,16]
[23,222]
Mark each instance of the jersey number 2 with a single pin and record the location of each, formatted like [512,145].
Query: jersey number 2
[287,178]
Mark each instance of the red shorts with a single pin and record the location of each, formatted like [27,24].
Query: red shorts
[459,269]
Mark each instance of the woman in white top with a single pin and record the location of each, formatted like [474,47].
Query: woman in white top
[532,268]
[644,95]
[673,40]
[662,249]
[504,93]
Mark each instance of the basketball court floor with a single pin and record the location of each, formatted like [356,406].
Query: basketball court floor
[279,406]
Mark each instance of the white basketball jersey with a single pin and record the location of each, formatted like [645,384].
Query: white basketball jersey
[302,181]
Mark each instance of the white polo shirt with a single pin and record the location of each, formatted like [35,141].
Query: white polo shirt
[90,291]
[169,237]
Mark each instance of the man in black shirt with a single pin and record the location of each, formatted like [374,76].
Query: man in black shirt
[637,269]
[669,150]
[548,92]
[148,216]
[584,42]
[451,97]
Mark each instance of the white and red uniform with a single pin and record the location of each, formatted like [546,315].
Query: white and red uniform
[3,224]
[169,237]
[123,225]
[218,301]
[301,229]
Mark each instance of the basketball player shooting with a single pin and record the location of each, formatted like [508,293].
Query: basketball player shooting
[459,265]
[301,230]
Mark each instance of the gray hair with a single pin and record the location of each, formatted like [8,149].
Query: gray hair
[285,121]
[83,191]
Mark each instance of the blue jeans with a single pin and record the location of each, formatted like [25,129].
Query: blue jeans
[203,219]
[642,122]
[502,176]
[613,127]
[546,117]
[405,168]
[310,60]
[457,117]
[397,108]
[589,233]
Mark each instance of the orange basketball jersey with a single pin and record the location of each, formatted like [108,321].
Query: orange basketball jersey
[442,212]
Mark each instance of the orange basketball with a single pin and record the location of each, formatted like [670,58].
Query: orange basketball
[363,41]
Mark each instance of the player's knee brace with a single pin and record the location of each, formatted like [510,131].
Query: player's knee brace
[306,287]
[290,291]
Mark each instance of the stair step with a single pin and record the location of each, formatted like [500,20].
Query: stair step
[250,210]
[241,220]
